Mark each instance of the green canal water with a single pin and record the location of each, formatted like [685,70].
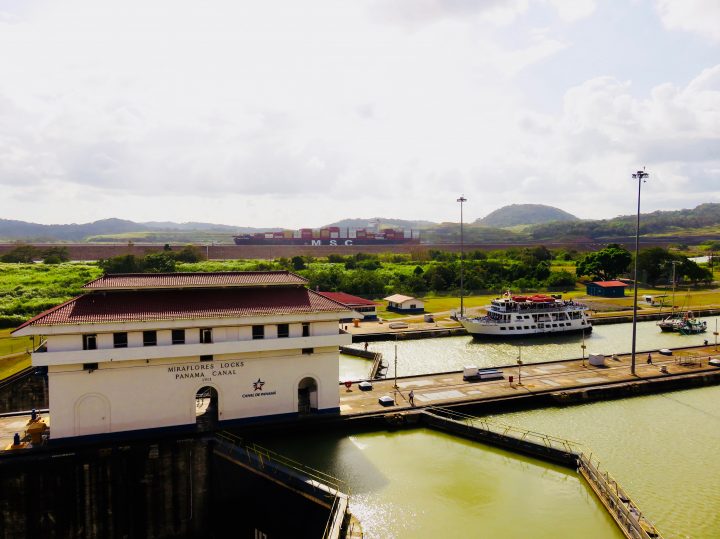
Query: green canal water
[663,449]
[425,484]
[426,356]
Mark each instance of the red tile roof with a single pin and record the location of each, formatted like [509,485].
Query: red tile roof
[153,305]
[607,284]
[195,280]
[346,299]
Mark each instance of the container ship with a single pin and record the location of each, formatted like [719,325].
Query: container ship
[333,235]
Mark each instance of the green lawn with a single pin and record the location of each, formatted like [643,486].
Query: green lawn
[13,345]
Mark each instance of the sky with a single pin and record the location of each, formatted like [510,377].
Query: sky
[287,113]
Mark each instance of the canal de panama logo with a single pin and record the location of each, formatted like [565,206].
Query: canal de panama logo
[258,390]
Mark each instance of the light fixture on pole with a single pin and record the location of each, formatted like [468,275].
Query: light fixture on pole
[462,256]
[519,364]
[583,348]
[640,176]
[395,386]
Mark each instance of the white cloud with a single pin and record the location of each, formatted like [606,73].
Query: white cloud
[279,113]
[573,10]
[698,16]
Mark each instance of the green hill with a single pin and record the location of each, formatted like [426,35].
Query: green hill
[524,214]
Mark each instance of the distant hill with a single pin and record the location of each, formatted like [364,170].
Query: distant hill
[658,222]
[383,222]
[11,230]
[524,214]
[169,225]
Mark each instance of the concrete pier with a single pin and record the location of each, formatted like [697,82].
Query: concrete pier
[540,384]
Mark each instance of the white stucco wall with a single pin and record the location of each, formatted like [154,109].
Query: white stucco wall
[62,343]
[139,395]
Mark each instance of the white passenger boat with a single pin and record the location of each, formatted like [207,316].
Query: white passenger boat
[523,316]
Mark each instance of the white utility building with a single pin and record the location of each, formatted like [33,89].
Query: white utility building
[182,350]
[404,304]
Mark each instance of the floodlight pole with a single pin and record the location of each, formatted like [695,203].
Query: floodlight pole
[462,256]
[640,176]
[519,364]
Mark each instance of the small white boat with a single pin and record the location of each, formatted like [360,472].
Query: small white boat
[523,316]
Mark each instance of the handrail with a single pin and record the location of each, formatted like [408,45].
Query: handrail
[266,455]
[317,479]
[547,440]
[625,512]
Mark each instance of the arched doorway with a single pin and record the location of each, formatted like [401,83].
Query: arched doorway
[206,408]
[92,415]
[307,396]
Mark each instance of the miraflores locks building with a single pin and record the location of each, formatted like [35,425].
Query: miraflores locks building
[143,351]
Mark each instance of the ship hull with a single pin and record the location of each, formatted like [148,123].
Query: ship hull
[318,242]
[497,331]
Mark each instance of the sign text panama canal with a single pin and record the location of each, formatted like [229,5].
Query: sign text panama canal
[203,370]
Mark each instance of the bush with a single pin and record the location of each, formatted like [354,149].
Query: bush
[56,255]
[22,254]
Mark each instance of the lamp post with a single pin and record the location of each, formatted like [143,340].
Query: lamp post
[583,348]
[519,364]
[462,256]
[640,176]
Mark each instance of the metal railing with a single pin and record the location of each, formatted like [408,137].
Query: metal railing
[618,503]
[552,442]
[321,485]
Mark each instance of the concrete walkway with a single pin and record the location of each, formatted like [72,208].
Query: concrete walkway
[449,388]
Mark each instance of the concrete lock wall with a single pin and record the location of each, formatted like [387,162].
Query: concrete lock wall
[246,504]
[131,395]
[24,391]
[140,490]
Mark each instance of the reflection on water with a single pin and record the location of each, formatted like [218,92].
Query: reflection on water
[662,448]
[422,483]
[354,368]
[452,353]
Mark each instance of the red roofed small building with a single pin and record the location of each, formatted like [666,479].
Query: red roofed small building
[184,351]
[606,289]
[365,308]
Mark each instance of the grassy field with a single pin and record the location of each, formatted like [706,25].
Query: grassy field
[27,289]
[13,345]
[10,361]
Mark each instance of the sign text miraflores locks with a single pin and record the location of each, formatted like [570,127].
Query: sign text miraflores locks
[203,370]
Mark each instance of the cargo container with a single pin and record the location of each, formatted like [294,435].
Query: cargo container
[330,236]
